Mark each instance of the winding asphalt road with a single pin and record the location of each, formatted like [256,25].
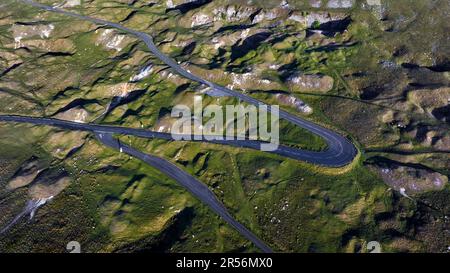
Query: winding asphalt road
[339,152]
[186,180]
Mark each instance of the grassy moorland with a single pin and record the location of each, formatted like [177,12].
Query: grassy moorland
[375,73]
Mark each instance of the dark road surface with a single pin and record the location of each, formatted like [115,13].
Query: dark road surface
[186,180]
[340,151]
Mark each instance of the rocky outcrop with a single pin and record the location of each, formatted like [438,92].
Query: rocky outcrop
[340,4]
[410,180]
[316,18]
[292,101]
[431,138]
[434,102]
[315,3]
[243,81]
[116,90]
[174,3]
[270,15]
[143,73]
[110,39]
[233,13]
[56,46]
[71,3]
[201,19]
[121,89]
[45,189]
[310,83]
[164,124]
[21,32]
[76,114]
[25,175]
[251,81]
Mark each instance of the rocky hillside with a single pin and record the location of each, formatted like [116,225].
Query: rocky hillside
[374,70]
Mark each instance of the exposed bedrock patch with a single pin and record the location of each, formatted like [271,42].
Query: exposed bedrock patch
[71,3]
[299,82]
[292,101]
[110,39]
[22,31]
[77,114]
[26,174]
[315,19]
[49,188]
[235,13]
[434,102]
[316,3]
[340,4]
[409,178]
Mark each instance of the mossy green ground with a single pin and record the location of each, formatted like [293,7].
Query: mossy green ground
[119,204]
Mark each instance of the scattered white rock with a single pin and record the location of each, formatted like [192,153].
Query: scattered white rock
[376,7]
[174,3]
[340,4]
[71,3]
[201,19]
[284,4]
[412,180]
[311,18]
[297,18]
[403,193]
[265,15]
[21,32]
[295,102]
[169,4]
[388,64]
[310,83]
[121,89]
[274,66]
[315,3]
[144,73]
[232,13]
[374,2]
[323,17]
[110,39]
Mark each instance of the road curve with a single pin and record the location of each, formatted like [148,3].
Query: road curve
[340,151]
[186,180]
[285,151]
